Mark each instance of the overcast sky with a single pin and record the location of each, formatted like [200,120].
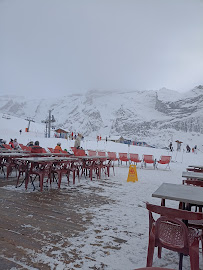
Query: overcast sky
[57,47]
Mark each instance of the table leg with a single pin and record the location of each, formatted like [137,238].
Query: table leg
[163,202]
[26,176]
[180,261]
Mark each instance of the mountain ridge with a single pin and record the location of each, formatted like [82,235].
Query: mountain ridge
[134,114]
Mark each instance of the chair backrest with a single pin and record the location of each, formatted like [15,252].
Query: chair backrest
[7,146]
[51,149]
[197,183]
[92,153]
[65,152]
[73,149]
[79,152]
[164,234]
[60,151]
[112,155]
[175,213]
[134,157]
[101,154]
[24,147]
[44,150]
[165,159]
[28,148]
[148,158]
[57,151]
[123,156]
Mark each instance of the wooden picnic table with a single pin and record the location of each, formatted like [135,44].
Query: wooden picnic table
[180,193]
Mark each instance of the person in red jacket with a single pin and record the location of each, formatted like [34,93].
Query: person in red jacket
[11,143]
[36,148]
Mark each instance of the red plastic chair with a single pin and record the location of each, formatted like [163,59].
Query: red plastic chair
[24,147]
[74,168]
[57,151]
[7,146]
[88,167]
[101,154]
[73,149]
[2,166]
[111,159]
[123,157]
[65,152]
[79,153]
[42,171]
[101,165]
[170,232]
[50,149]
[44,151]
[164,160]
[10,165]
[112,156]
[92,153]
[148,159]
[134,158]
[22,169]
[64,167]
[197,183]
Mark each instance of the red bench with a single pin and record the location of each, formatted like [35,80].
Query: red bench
[123,157]
[164,160]
[148,159]
[135,158]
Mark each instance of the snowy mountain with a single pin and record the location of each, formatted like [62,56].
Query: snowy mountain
[136,115]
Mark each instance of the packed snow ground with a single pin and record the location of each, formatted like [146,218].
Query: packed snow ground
[126,221]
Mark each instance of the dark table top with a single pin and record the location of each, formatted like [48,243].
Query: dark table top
[45,159]
[181,193]
[14,154]
[194,175]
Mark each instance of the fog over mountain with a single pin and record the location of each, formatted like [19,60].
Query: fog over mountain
[137,115]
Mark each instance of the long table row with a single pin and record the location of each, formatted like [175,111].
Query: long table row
[52,167]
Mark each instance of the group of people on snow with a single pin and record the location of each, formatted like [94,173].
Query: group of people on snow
[194,149]
[188,148]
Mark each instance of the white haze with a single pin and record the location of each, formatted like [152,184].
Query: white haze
[51,48]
